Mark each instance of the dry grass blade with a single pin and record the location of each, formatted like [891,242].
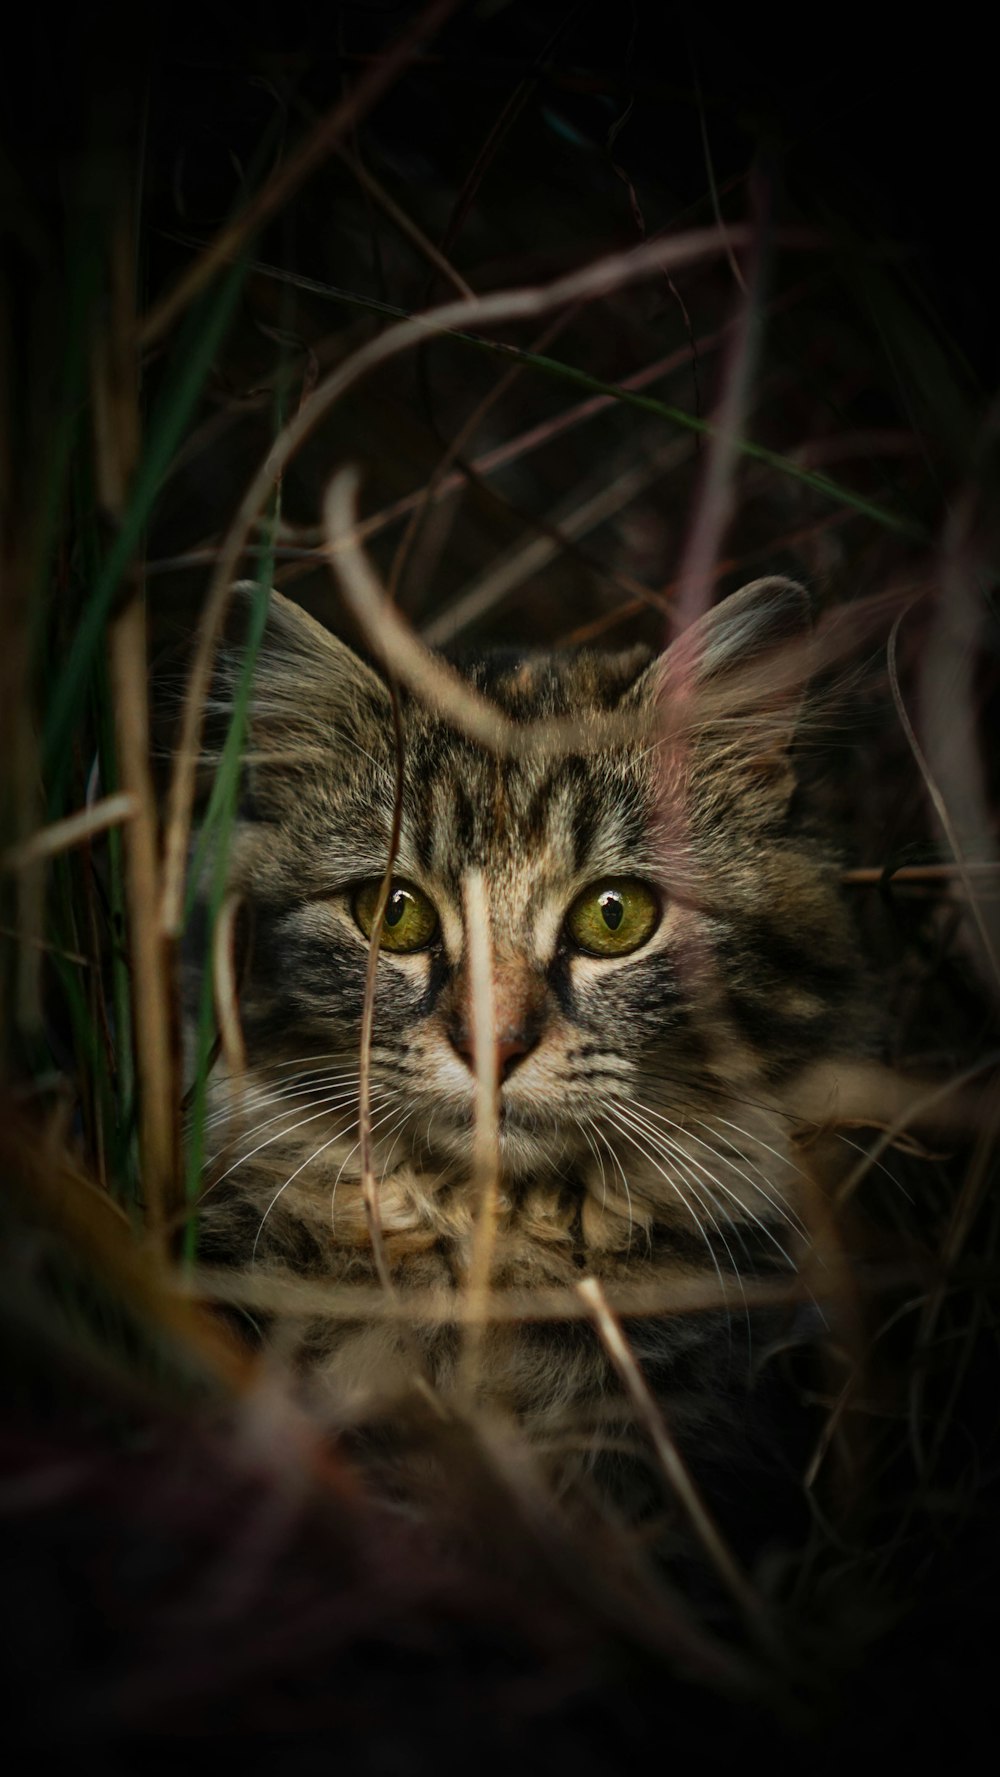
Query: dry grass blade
[443,689]
[386,202]
[369,1184]
[150,953]
[327,135]
[436,1307]
[942,810]
[875,875]
[594,280]
[980,1174]
[852,1093]
[397,645]
[73,829]
[672,1463]
[486,1144]
[531,558]
[888,1101]
[117,432]
[227,1002]
[95,1229]
[610,1577]
[443,473]
[716,495]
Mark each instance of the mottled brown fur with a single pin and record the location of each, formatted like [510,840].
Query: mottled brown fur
[647,1128]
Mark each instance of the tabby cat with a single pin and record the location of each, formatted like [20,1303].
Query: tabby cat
[669,953]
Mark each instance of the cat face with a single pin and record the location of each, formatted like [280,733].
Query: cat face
[548,838]
[664,951]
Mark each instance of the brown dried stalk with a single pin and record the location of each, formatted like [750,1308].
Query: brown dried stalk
[873,875]
[672,1463]
[397,215]
[593,280]
[940,807]
[436,1307]
[116,426]
[73,829]
[530,558]
[328,133]
[226,990]
[150,959]
[486,1141]
[716,495]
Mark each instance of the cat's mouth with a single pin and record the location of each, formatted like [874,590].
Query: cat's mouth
[528,1141]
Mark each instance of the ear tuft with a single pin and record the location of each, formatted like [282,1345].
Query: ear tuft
[729,692]
[763,616]
[753,648]
[310,700]
[301,671]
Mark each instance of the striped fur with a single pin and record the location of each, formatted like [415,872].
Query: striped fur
[645,1135]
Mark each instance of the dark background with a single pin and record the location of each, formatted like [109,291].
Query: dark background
[889,119]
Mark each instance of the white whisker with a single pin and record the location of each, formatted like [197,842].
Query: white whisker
[308,1161]
[327,1105]
[667,1152]
[260,1101]
[716,1184]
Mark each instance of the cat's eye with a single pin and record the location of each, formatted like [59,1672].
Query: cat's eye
[611,918]
[411,920]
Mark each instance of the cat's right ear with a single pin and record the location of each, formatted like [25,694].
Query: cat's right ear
[733,685]
[749,657]
[304,693]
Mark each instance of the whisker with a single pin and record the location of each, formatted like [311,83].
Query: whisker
[256,1098]
[327,1105]
[348,1157]
[301,1168]
[586,1124]
[326,1100]
[621,1174]
[715,1183]
[623,1125]
[785,1210]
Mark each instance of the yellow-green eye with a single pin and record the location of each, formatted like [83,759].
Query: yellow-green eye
[611,918]
[410,923]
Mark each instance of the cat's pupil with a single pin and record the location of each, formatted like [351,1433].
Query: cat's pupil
[396,908]
[613,911]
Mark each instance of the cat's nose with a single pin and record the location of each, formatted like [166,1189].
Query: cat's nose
[510,1051]
[511,1047]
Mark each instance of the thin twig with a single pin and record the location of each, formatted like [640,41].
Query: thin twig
[227,1001]
[117,442]
[148,949]
[73,829]
[875,875]
[530,558]
[386,202]
[369,1187]
[436,683]
[670,1298]
[486,1140]
[671,1461]
[328,133]
[940,805]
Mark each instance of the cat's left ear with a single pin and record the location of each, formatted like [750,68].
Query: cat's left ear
[311,700]
[734,683]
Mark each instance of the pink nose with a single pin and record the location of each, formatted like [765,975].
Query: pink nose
[511,1048]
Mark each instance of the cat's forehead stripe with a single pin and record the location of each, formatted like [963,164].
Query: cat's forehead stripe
[461,807]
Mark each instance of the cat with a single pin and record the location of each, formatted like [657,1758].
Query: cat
[670,951]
